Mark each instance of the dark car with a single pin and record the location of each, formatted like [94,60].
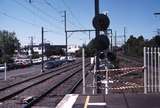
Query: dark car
[51,64]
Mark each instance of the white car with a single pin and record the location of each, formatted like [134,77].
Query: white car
[2,67]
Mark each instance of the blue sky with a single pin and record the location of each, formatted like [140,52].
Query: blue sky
[26,19]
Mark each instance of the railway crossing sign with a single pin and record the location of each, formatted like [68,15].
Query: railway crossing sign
[101,22]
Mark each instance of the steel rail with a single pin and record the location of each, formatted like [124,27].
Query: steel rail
[28,79]
[33,102]
[2,99]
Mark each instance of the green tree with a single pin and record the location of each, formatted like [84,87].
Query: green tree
[97,44]
[8,44]
[135,46]
[154,42]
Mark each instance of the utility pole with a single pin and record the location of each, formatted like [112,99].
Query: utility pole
[124,40]
[115,41]
[115,44]
[42,62]
[96,13]
[124,35]
[111,41]
[97,31]
[31,48]
[65,29]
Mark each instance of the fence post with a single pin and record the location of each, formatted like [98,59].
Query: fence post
[94,78]
[148,70]
[159,68]
[155,69]
[5,71]
[145,71]
[83,71]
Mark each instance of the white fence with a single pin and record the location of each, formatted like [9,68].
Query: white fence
[152,69]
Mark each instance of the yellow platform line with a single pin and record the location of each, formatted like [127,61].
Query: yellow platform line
[86,101]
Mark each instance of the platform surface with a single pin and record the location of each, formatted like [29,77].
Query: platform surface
[110,101]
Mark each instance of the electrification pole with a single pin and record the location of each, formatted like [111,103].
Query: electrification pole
[96,13]
[65,29]
[124,40]
[115,41]
[31,48]
[111,41]
[97,31]
[42,62]
[124,35]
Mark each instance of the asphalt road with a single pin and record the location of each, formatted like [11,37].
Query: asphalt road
[23,71]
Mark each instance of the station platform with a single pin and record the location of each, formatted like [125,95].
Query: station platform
[110,101]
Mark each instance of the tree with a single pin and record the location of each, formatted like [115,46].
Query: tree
[154,42]
[135,46]
[8,44]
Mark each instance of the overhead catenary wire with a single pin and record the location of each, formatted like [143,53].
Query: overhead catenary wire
[34,13]
[52,6]
[45,13]
[18,19]
[26,22]
[72,14]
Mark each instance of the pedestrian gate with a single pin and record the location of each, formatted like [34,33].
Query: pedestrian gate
[152,69]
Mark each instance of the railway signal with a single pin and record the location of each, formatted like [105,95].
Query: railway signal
[101,22]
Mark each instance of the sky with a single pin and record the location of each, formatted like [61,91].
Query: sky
[26,19]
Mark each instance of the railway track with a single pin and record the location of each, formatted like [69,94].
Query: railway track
[37,76]
[54,94]
[131,61]
[14,91]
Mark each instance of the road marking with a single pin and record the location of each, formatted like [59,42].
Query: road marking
[86,102]
[68,101]
[97,104]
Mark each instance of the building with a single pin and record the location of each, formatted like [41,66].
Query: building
[38,48]
[73,48]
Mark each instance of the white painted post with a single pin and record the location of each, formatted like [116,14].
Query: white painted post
[152,77]
[5,71]
[94,73]
[155,69]
[145,71]
[83,71]
[107,80]
[148,71]
[159,68]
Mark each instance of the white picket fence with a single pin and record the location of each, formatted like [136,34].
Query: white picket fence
[152,69]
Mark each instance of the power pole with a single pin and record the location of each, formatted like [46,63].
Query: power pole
[65,29]
[97,31]
[124,35]
[31,48]
[124,40]
[42,62]
[96,13]
[111,41]
[115,41]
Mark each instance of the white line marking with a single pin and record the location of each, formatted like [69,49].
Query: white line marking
[97,104]
[68,101]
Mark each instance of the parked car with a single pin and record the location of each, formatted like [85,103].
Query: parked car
[50,65]
[53,64]
[2,67]
[36,61]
